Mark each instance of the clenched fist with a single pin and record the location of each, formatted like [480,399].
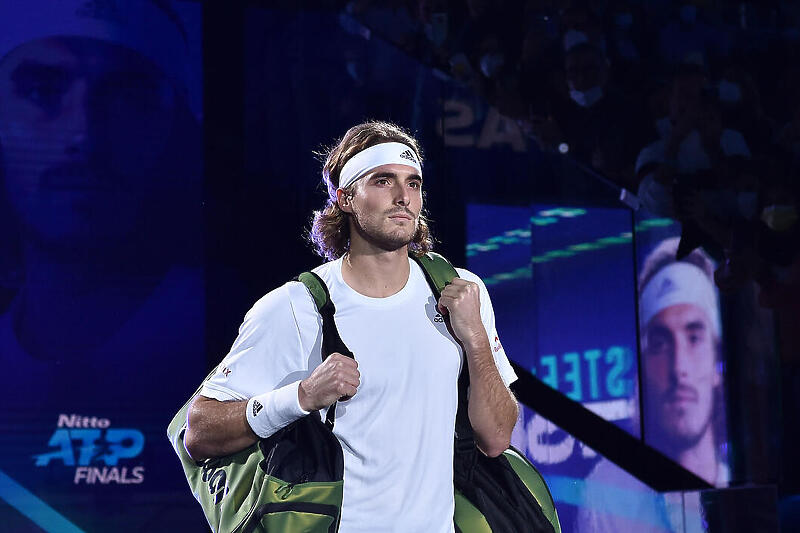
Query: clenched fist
[336,378]
[461,301]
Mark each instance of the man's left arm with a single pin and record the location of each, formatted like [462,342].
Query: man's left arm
[493,409]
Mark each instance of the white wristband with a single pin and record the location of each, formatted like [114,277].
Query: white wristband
[270,411]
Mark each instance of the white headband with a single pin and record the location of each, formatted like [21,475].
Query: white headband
[139,25]
[391,153]
[679,283]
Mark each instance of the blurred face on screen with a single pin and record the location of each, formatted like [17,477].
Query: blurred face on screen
[680,376]
[84,125]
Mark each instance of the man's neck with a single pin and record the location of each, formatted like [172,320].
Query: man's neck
[374,273]
[701,458]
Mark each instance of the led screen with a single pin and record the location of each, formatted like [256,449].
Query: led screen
[564,283]
[103,306]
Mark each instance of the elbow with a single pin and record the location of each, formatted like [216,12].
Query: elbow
[496,446]
[194,447]
[192,437]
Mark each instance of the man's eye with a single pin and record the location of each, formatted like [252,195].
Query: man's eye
[656,344]
[415,185]
[43,94]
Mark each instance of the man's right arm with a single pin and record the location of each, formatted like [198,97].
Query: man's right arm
[218,428]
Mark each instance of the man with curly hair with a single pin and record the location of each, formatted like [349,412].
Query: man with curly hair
[399,396]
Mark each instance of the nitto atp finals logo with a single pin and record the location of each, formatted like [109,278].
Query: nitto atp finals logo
[95,449]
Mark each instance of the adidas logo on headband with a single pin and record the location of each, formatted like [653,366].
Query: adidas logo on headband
[667,286]
[408,154]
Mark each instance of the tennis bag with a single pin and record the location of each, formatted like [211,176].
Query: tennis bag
[503,494]
[289,482]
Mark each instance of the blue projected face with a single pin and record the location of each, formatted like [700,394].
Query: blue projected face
[103,193]
[84,127]
[680,369]
[104,311]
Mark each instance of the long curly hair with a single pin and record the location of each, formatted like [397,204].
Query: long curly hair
[330,227]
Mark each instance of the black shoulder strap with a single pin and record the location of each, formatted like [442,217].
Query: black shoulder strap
[331,340]
[439,272]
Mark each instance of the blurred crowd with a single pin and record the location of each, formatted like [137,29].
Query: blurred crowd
[692,105]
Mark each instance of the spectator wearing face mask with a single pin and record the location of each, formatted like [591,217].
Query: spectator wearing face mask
[693,147]
[699,171]
[741,108]
[596,124]
[627,38]
[579,25]
[777,240]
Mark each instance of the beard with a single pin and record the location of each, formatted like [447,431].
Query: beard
[373,231]
[675,429]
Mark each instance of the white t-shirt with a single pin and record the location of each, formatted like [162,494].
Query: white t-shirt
[397,431]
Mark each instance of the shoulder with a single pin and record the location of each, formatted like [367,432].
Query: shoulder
[474,278]
[281,305]
[277,300]
[327,271]
[470,276]
[291,294]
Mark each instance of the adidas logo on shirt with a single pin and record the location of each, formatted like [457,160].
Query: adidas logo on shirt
[256,407]
[408,154]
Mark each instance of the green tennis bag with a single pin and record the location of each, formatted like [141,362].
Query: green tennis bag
[291,481]
[504,494]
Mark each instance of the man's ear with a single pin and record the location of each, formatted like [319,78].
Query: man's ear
[344,200]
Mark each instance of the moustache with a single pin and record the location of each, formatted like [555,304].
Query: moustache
[681,392]
[402,211]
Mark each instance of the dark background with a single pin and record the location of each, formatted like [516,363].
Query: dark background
[281,81]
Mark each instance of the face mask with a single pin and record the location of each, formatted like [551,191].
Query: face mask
[491,64]
[748,204]
[688,14]
[573,38]
[779,217]
[624,20]
[586,98]
[729,92]
[436,29]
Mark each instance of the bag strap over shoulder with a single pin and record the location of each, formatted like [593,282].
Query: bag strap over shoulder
[439,272]
[331,340]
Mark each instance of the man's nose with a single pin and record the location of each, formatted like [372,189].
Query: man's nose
[401,194]
[75,119]
[680,358]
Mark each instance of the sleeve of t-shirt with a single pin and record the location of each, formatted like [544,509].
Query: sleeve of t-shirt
[269,355]
[487,317]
